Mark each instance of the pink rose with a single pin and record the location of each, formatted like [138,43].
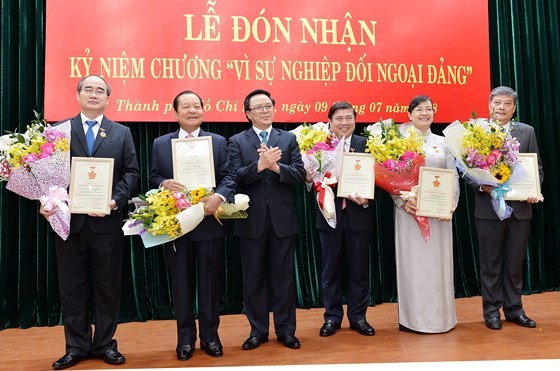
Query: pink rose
[178,195]
[496,153]
[390,164]
[29,158]
[491,160]
[182,204]
[321,146]
[47,148]
[402,164]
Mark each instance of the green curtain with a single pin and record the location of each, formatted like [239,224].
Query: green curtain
[525,54]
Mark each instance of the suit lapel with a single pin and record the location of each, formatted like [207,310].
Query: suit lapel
[77,133]
[253,138]
[102,133]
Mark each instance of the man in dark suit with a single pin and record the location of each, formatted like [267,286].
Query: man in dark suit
[267,162]
[90,261]
[347,245]
[204,244]
[503,244]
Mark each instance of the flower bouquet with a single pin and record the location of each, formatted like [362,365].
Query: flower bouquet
[36,165]
[398,159]
[161,215]
[487,155]
[321,154]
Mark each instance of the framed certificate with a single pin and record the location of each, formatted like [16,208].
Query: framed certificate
[436,188]
[91,185]
[193,162]
[529,187]
[357,175]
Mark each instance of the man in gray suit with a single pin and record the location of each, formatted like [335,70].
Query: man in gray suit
[89,262]
[502,244]
[267,163]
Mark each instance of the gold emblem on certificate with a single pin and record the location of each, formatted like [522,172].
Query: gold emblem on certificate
[91,185]
[435,192]
[357,175]
[193,162]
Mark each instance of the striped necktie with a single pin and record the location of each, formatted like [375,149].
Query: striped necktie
[264,139]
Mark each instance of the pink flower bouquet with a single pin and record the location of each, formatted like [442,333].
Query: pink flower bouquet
[322,155]
[36,165]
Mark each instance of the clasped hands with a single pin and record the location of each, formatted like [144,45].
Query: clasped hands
[268,158]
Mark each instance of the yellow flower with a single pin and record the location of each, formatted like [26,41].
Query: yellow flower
[308,136]
[391,145]
[62,145]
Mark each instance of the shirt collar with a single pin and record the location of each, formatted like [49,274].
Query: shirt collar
[258,131]
[183,133]
[85,118]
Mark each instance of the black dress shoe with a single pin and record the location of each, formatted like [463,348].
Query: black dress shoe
[523,320]
[253,342]
[213,349]
[329,328]
[112,357]
[289,341]
[68,360]
[185,352]
[362,327]
[493,323]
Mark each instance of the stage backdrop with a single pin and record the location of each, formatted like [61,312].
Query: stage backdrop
[309,54]
[524,39]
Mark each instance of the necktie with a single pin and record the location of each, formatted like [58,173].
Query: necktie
[190,135]
[263,135]
[90,137]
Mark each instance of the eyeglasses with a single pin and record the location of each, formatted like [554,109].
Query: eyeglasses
[260,109]
[91,91]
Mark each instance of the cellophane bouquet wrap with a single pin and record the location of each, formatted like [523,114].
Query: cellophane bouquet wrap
[321,153]
[487,155]
[398,159]
[162,215]
[36,165]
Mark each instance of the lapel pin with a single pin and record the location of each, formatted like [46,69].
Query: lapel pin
[103,135]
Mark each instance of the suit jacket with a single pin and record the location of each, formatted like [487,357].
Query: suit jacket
[525,134]
[359,218]
[267,189]
[118,145]
[162,169]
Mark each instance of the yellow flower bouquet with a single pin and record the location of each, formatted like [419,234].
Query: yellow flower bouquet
[398,154]
[161,215]
[487,155]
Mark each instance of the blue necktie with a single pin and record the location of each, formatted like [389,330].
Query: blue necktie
[263,135]
[90,137]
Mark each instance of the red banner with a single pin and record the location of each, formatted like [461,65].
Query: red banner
[376,55]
